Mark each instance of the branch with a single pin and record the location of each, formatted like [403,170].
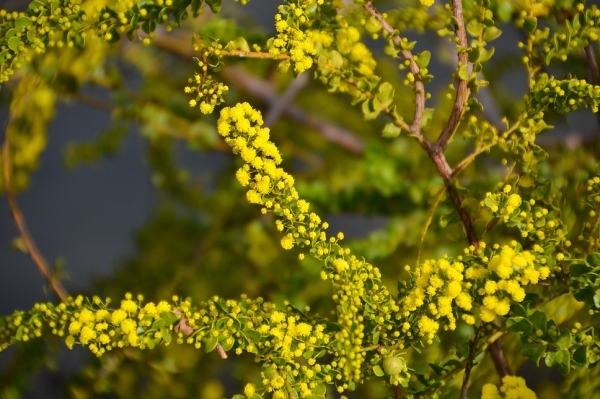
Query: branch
[415,127]
[398,392]
[265,92]
[17,215]
[500,362]
[462,93]
[469,365]
[279,107]
[592,68]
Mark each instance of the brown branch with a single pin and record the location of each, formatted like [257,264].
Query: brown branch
[264,91]
[500,362]
[254,54]
[462,93]
[592,69]
[398,392]
[278,108]
[17,215]
[428,221]
[469,365]
[415,127]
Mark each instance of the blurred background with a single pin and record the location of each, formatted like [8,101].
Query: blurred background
[135,192]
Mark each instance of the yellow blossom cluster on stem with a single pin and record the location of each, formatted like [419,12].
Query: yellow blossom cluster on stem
[490,279]
[439,289]
[513,387]
[348,43]
[252,326]
[71,23]
[291,39]
[209,92]
[591,229]
[355,281]
[508,272]
[534,221]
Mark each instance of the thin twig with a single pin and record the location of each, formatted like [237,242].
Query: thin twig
[398,392]
[462,93]
[265,92]
[415,127]
[469,365]
[16,213]
[278,108]
[428,222]
[592,69]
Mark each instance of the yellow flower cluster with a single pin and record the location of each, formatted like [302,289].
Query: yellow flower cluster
[439,285]
[507,273]
[273,188]
[348,43]
[590,231]
[535,222]
[513,387]
[209,92]
[293,41]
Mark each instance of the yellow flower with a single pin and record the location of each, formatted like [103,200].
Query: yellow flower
[74,327]
[249,390]
[287,242]
[117,317]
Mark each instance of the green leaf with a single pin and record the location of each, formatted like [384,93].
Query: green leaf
[530,23]
[520,324]
[593,259]
[463,72]
[391,131]
[13,43]
[578,269]
[22,22]
[373,25]
[534,352]
[376,338]
[166,335]
[252,335]
[386,94]
[474,27]
[423,59]
[491,33]
[215,5]
[564,340]
[19,334]
[320,389]
[538,319]
[209,342]
[378,371]
[227,346]
[559,359]
[580,356]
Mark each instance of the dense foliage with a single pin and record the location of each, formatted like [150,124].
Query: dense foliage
[484,265]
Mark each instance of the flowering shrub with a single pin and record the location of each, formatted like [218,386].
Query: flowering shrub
[487,304]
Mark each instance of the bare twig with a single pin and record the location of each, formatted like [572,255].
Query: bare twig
[415,127]
[277,108]
[469,365]
[265,92]
[592,69]
[398,392]
[428,222]
[16,213]
[462,93]
[221,351]
[500,362]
